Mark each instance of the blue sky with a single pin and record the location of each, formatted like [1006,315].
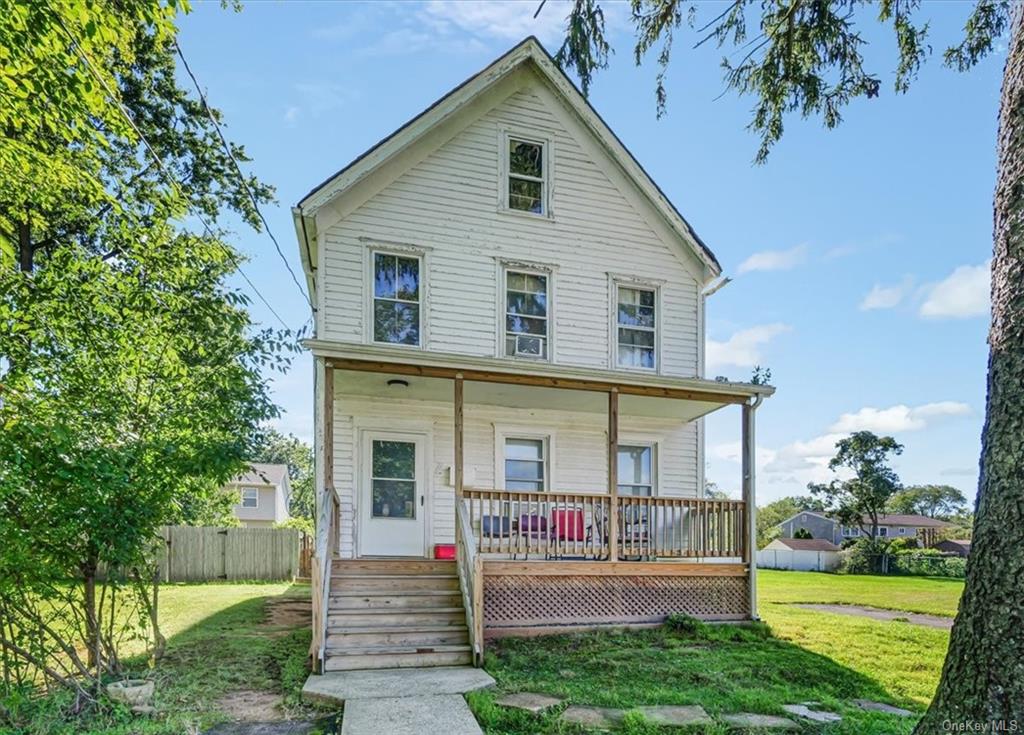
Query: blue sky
[859,255]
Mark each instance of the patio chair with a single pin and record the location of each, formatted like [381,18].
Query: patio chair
[635,531]
[567,527]
[494,528]
[532,526]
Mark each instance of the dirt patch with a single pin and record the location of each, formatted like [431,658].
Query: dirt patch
[877,613]
[288,613]
[251,706]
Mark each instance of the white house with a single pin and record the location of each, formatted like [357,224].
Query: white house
[262,495]
[509,349]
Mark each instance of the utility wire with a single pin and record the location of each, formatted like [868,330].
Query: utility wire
[160,164]
[241,176]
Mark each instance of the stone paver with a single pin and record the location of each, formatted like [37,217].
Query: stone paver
[442,713]
[877,613]
[752,721]
[802,710]
[600,718]
[338,686]
[675,716]
[867,704]
[528,701]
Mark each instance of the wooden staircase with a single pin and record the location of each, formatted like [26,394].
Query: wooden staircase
[386,614]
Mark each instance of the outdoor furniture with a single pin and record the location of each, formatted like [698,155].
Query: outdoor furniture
[635,531]
[494,527]
[532,526]
[567,527]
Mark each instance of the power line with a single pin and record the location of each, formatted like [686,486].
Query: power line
[241,176]
[160,164]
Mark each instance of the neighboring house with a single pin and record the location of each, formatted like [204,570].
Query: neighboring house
[262,495]
[509,349]
[960,547]
[799,554]
[890,525]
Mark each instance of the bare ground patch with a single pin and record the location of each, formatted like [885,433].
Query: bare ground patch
[251,706]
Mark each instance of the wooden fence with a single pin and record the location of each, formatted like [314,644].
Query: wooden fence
[202,554]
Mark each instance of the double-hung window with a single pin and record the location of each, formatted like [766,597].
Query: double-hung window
[526,314]
[527,176]
[636,327]
[397,317]
[250,497]
[636,470]
[525,464]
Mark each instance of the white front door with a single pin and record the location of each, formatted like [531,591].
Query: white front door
[393,495]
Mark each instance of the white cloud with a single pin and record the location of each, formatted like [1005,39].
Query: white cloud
[963,293]
[886,297]
[897,418]
[732,451]
[291,115]
[742,348]
[511,20]
[774,260]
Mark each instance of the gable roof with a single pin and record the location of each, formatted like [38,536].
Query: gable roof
[260,473]
[809,512]
[909,519]
[527,51]
[808,544]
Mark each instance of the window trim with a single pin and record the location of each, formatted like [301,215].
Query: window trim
[655,463]
[505,135]
[241,500]
[615,282]
[882,531]
[503,432]
[530,268]
[400,251]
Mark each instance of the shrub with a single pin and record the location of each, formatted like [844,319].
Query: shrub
[302,524]
[862,557]
[686,625]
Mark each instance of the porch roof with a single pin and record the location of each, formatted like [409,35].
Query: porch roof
[530,384]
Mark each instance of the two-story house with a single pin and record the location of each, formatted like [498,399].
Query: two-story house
[261,495]
[509,349]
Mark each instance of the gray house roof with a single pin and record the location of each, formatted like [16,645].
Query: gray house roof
[263,474]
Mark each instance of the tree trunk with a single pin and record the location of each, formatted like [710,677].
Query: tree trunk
[25,250]
[983,678]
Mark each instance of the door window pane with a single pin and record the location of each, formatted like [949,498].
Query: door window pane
[636,322]
[524,464]
[396,299]
[393,479]
[636,473]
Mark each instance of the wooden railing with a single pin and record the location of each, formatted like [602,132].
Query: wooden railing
[320,578]
[577,525]
[471,580]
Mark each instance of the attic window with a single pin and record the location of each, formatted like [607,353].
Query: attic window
[527,175]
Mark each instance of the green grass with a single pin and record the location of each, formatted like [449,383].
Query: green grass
[930,595]
[218,642]
[798,655]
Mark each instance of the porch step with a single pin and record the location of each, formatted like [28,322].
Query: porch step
[346,583]
[371,617]
[398,658]
[419,636]
[377,567]
[409,599]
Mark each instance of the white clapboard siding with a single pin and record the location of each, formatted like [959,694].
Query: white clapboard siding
[579,461]
[447,205]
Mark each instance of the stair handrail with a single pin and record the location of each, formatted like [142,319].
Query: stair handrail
[470,568]
[323,566]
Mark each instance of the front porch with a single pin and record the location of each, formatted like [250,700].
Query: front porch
[531,561]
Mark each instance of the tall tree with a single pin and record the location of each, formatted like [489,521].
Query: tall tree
[934,501]
[861,499]
[806,58]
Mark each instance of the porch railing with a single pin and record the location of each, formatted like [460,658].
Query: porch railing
[471,581]
[320,579]
[578,525]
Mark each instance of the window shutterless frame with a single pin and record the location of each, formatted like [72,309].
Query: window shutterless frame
[396,303]
[525,174]
[635,324]
[250,494]
[525,309]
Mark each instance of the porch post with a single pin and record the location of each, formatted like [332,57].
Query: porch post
[749,500]
[328,448]
[457,405]
[613,474]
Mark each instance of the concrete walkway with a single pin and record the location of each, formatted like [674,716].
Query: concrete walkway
[877,613]
[401,701]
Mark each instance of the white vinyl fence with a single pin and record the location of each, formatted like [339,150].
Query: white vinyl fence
[802,561]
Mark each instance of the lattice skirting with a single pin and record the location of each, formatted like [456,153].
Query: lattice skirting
[517,601]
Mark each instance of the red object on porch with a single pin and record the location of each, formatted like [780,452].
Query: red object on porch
[444,551]
[568,525]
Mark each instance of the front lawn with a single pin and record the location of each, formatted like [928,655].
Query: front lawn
[930,595]
[220,640]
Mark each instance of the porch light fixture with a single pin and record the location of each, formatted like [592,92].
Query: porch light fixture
[398,383]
